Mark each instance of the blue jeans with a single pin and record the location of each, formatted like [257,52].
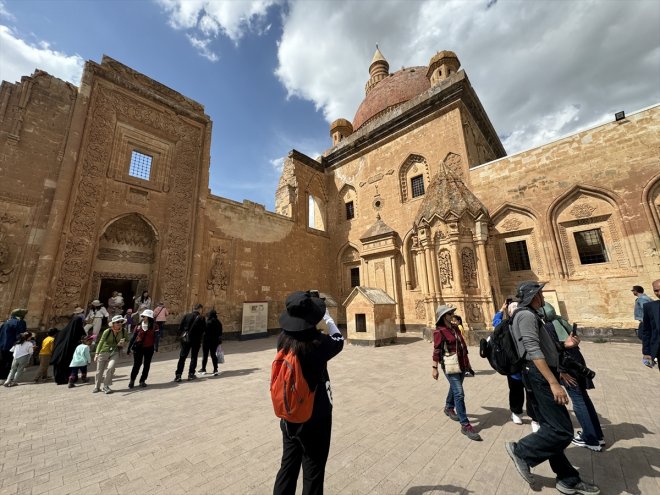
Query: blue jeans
[456,397]
[159,334]
[556,431]
[586,415]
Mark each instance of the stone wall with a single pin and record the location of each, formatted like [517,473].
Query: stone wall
[605,178]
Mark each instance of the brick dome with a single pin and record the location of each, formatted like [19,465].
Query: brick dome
[392,91]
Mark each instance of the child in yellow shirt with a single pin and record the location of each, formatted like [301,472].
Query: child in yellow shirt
[45,354]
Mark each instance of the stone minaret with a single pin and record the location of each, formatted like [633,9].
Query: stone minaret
[378,70]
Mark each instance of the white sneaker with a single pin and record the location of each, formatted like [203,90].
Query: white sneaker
[535,426]
[516,419]
[201,373]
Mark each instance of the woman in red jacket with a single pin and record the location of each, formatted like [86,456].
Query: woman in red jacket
[450,350]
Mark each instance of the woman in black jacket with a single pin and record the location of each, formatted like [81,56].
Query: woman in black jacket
[212,339]
[308,443]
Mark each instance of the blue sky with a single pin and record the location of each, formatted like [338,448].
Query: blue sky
[272,74]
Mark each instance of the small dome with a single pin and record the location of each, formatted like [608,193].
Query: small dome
[339,123]
[398,88]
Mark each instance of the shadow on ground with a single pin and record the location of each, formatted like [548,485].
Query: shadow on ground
[421,490]
[496,416]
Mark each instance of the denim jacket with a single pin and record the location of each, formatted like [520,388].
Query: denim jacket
[641,300]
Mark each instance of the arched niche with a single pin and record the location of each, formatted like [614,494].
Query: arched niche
[413,167]
[588,232]
[350,268]
[651,202]
[317,202]
[348,204]
[516,244]
[126,258]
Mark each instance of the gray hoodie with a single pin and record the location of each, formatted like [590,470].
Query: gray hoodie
[531,337]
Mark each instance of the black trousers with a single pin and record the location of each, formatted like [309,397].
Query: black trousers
[191,348]
[556,431]
[517,398]
[206,348]
[6,357]
[140,355]
[307,445]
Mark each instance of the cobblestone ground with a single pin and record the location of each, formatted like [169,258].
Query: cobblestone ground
[219,435]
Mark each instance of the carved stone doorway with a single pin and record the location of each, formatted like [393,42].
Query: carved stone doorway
[125,260]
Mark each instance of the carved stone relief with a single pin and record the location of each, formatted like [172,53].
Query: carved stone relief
[474,313]
[379,265]
[131,230]
[128,256]
[453,163]
[582,210]
[420,310]
[107,106]
[511,224]
[218,279]
[444,266]
[469,264]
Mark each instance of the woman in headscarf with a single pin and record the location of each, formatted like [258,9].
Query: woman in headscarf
[212,339]
[66,342]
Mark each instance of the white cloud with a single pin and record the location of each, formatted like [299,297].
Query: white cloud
[277,164]
[205,20]
[5,13]
[541,69]
[20,58]
[202,46]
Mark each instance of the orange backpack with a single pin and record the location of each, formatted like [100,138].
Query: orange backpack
[289,391]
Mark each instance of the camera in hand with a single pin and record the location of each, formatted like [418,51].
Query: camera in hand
[576,367]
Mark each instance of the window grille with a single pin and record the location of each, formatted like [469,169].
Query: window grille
[417,186]
[350,212]
[140,165]
[518,256]
[590,246]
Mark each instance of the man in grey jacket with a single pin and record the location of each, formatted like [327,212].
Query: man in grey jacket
[540,375]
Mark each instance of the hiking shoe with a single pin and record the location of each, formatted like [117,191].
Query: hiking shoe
[72,385]
[469,432]
[95,390]
[577,440]
[131,384]
[192,377]
[107,390]
[177,378]
[535,426]
[516,419]
[601,441]
[520,464]
[451,414]
[582,488]
[143,385]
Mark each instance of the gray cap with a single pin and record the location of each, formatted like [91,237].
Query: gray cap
[442,310]
[527,290]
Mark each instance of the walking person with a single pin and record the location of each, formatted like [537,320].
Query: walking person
[45,353]
[142,302]
[95,317]
[307,444]
[22,351]
[576,384]
[638,311]
[10,331]
[65,345]
[540,374]
[81,358]
[142,346]
[450,350]
[651,329]
[160,315]
[191,330]
[107,353]
[514,382]
[212,339]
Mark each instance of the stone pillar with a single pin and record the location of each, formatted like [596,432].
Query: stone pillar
[457,266]
[396,288]
[436,273]
[429,268]
[425,276]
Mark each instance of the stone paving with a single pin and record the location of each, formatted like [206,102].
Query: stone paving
[219,435]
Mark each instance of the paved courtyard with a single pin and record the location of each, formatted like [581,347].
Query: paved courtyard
[219,435]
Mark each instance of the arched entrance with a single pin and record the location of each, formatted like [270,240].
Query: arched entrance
[125,260]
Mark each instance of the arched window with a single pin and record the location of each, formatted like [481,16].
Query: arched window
[413,178]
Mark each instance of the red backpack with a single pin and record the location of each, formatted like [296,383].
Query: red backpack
[289,391]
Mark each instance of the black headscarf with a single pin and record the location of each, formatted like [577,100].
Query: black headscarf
[66,342]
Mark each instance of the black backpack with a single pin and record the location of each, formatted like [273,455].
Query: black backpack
[501,350]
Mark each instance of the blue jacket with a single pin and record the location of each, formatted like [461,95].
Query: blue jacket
[10,331]
[641,300]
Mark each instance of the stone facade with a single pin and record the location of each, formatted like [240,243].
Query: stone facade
[105,187]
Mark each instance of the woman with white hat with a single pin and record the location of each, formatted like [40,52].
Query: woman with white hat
[142,346]
[450,350]
[107,353]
